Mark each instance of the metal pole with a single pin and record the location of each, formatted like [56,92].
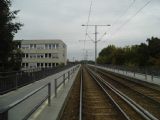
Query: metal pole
[55,87]
[49,94]
[64,79]
[96,41]
[95,46]
[68,75]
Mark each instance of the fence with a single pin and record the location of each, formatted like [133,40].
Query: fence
[4,112]
[143,72]
[14,80]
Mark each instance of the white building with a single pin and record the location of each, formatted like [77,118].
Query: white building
[43,53]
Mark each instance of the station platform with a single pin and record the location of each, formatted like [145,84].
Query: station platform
[138,76]
[53,111]
[64,81]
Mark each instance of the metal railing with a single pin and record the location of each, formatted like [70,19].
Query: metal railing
[65,76]
[146,72]
[14,80]
[4,111]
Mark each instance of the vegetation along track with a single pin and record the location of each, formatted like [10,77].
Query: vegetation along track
[71,107]
[148,98]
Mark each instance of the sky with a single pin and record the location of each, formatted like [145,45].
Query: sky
[131,23]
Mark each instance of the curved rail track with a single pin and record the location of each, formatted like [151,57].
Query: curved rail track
[94,98]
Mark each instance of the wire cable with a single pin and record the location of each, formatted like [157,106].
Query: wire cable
[120,17]
[90,9]
[129,19]
[123,14]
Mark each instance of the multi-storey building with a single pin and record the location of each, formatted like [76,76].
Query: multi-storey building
[43,53]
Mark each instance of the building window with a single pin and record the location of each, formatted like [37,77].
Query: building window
[38,64]
[55,55]
[26,55]
[32,46]
[46,55]
[53,64]
[33,65]
[40,55]
[57,64]
[45,65]
[53,46]
[32,55]
[50,46]
[23,64]
[56,46]
[25,46]
[49,55]
[46,46]
[49,64]
[41,64]
[40,47]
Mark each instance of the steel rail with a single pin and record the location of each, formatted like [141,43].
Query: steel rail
[114,102]
[158,102]
[81,94]
[144,113]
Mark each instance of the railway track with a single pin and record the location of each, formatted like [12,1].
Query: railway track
[92,98]
[148,98]
[96,104]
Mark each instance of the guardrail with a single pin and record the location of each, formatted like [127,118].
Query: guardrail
[65,76]
[147,73]
[4,111]
[14,80]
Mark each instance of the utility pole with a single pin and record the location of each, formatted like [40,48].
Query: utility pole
[96,41]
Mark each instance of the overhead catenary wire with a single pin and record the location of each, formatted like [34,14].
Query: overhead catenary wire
[129,19]
[88,20]
[120,17]
[124,13]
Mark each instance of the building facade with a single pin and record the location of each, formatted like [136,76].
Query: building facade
[43,53]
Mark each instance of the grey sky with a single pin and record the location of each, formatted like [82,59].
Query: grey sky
[62,19]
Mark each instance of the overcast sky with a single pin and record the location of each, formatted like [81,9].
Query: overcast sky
[62,19]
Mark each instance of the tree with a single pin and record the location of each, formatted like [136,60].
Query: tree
[105,56]
[8,51]
[154,51]
[118,57]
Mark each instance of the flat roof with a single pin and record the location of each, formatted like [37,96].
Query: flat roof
[40,41]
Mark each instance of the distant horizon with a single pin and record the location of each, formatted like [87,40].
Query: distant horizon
[56,19]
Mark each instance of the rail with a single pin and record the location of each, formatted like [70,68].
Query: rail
[81,94]
[66,76]
[144,113]
[4,111]
[13,80]
[114,102]
[147,73]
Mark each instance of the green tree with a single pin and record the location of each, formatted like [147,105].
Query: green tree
[154,51]
[8,28]
[142,55]
[118,57]
[105,56]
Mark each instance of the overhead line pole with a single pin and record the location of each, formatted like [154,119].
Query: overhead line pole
[96,39]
